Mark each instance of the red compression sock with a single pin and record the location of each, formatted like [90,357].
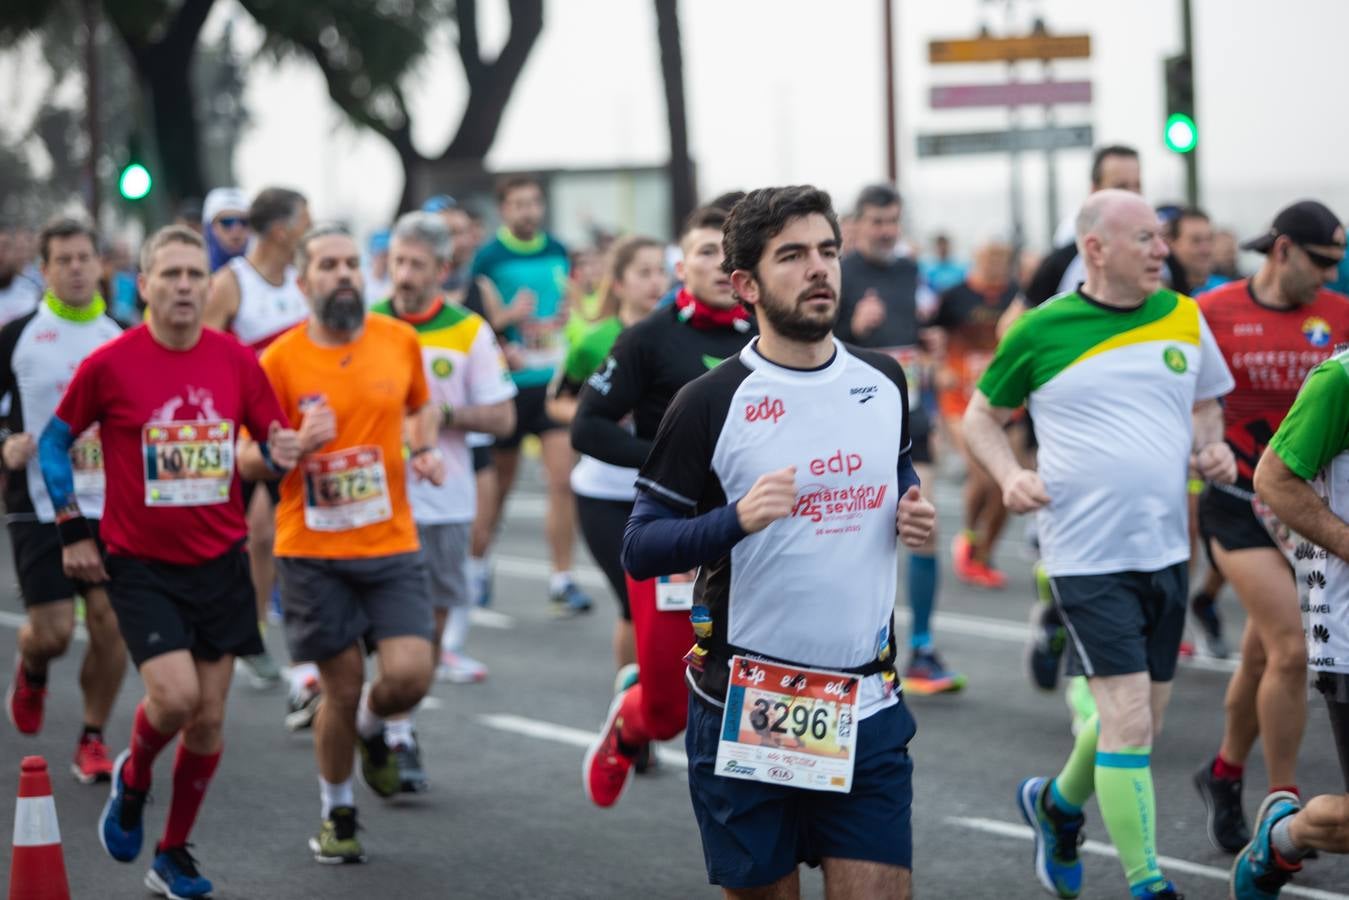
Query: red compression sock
[191,776]
[146,743]
[1227,770]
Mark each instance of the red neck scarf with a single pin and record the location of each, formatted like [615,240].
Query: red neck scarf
[710,318]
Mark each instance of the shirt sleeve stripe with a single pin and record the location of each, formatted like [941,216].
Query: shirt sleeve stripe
[647,484]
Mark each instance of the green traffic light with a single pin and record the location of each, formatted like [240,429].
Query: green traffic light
[1181,134]
[135,182]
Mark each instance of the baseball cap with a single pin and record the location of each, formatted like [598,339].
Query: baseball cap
[379,241]
[439,203]
[221,199]
[1306,222]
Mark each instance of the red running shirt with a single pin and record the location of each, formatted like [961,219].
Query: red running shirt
[169,421]
[1269,351]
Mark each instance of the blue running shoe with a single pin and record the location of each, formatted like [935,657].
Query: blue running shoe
[119,828]
[1165,891]
[570,601]
[1056,863]
[1256,874]
[174,875]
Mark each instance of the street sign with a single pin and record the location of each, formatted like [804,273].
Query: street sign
[1061,137]
[964,96]
[988,49]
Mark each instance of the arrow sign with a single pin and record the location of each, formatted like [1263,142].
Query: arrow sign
[964,96]
[1061,137]
[987,49]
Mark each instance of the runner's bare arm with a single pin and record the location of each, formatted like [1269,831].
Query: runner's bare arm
[986,438]
[272,460]
[1212,456]
[1296,505]
[496,419]
[222,303]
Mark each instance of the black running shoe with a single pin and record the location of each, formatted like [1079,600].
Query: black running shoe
[1227,827]
[1205,611]
[411,775]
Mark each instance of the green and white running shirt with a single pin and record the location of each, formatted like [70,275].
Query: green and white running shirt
[1111,392]
[1313,443]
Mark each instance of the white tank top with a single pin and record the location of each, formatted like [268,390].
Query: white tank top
[265,309]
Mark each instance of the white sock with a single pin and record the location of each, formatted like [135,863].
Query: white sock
[478,567]
[367,723]
[558,582]
[300,675]
[456,629]
[334,795]
[399,731]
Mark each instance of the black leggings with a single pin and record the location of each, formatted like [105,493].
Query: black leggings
[1335,688]
[602,524]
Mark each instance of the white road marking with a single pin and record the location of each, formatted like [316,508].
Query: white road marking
[490,618]
[563,734]
[1012,830]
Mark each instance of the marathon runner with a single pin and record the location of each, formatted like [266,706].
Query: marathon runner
[1122,377]
[352,575]
[169,398]
[1273,329]
[968,313]
[472,390]
[881,307]
[256,298]
[1304,478]
[224,223]
[786,474]
[528,266]
[39,353]
[19,294]
[648,365]
[631,287]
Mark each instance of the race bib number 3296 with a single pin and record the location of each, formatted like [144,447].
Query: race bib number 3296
[188,463]
[789,725]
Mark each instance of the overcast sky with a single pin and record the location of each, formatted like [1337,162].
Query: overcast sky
[791,91]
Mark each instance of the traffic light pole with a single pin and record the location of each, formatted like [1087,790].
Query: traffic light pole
[91,109]
[1191,158]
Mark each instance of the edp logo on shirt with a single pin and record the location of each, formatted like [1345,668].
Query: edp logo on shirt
[766,410]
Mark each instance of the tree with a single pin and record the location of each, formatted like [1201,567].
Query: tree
[364,56]
[683,193]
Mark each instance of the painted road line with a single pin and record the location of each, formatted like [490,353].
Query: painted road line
[1167,863]
[489,618]
[528,567]
[17,620]
[562,734]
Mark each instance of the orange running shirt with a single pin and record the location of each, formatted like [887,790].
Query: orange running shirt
[348,499]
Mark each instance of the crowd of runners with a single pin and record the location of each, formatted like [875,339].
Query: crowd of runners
[293,432]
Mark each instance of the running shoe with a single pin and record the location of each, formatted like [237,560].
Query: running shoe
[260,670]
[120,830]
[1258,873]
[625,678]
[570,601]
[23,702]
[275,615]
[336,842]
[174,875]
[411,775]
[962,559]
[1165,891]
[607,768]
[1044,651]
[1227,827]
[91,760]
[379,768]
[481,585]
[302,707]
[985,576]
[457,668]
[926,674]
[1205,611]
[1057,865]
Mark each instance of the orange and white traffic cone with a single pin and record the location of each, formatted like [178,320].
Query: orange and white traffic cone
[38,869]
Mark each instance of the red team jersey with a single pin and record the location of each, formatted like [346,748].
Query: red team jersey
[169,421]
[1269,351]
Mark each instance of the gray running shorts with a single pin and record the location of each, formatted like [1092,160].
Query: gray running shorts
[330,604]
[445,553]
[1124,622]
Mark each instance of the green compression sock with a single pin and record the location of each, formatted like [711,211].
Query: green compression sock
[1078,779]
[1129,807]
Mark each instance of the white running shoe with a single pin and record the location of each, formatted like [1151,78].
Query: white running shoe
[457,668]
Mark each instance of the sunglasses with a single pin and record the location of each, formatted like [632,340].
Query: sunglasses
[1320,260]
[232,221]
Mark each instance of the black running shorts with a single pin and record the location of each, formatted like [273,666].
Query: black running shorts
[531,417]
[1124,622]
[37,561]
[1230,521]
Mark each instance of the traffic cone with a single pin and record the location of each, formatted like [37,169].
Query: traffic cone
[37,870]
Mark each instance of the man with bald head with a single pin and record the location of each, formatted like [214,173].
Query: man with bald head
[1123,378]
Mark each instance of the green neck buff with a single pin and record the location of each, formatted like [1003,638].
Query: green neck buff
[524,248]
[89,313]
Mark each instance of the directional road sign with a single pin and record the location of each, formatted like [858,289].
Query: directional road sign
[989,49]
[1060,137]
[962,96]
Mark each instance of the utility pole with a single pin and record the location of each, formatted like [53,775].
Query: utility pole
[91,124]
[891,109]
[1187,50]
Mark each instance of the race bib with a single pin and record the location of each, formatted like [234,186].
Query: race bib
[86,459]
[789,725]
[674,593]
[542,343]
[346,489]
[188,463]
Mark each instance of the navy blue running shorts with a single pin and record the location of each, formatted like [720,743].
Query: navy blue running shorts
[755,834]
[1124,622]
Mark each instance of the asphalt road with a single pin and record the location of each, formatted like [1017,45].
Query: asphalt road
[507,817]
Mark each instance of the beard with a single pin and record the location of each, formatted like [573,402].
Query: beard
[342,310]
[791,321]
